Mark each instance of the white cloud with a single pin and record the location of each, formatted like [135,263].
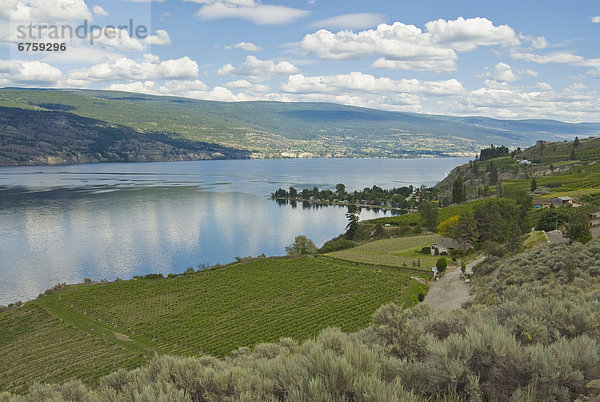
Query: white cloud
[495,84]
[29,72]
[161,38]
[350,21]
[467,34]
[190,89]
[149,68]
[255,69]
[416,65]
[81,54]
[556,57]
[250,10]
[528,72]
[407,47]
[247,46]
[361,82]
[44,10]
[571,104]
[596,19]
[537,42]
[397,42]
[503,73]
[99,11]
[116,38]
[238,84]
[543,86]
[120,39]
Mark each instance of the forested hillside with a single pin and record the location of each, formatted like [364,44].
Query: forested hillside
[292,129]
[29,137]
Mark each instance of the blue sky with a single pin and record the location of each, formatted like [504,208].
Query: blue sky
[510,59]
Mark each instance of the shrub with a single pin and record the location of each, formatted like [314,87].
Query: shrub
[154,276]
[441,264]
[302,246]
[336,245]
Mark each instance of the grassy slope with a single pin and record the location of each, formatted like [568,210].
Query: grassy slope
[395,252]
[86,331]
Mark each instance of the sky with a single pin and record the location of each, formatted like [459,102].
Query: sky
[510,59]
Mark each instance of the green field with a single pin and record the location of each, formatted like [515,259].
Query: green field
[86,331]
[401,252]
[36,345]
[577,181]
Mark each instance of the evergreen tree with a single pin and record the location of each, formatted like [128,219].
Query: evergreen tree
[493,174]
[465,230]
[458,191]
[533,185]
[576,142]
[429,214]
[578,228]
[352,226]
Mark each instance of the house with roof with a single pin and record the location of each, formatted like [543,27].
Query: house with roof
[446,244]
[560,201]
[594,218]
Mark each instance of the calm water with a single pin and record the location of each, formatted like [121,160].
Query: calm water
[66,223]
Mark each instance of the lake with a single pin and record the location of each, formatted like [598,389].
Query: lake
[103,221]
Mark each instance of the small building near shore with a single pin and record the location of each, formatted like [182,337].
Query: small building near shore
[446,244]
[559,201]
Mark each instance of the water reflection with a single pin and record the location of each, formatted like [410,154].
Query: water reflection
[71,234]
[65,223]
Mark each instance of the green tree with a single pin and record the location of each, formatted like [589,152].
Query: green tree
[495,218]
[293,192]
[515,242]
[533,185]
[524,202]
[552,218]
[459,193]
[441,264]
[352,226]
[302,246]
[429,214]
[493,174]
[340,189]
[578,228]
[465,230]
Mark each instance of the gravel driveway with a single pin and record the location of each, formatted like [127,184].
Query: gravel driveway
[451,291]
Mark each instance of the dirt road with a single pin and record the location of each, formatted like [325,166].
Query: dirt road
[451,291]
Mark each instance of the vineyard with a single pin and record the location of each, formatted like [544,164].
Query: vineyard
[577,181]
[38,346]
[401,252]
[85,331]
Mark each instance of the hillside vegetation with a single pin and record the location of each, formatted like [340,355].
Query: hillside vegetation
[532,333]
[29,137]
[86,331]
[281,129]
[559,168]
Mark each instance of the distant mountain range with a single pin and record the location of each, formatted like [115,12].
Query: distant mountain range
[71,126]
